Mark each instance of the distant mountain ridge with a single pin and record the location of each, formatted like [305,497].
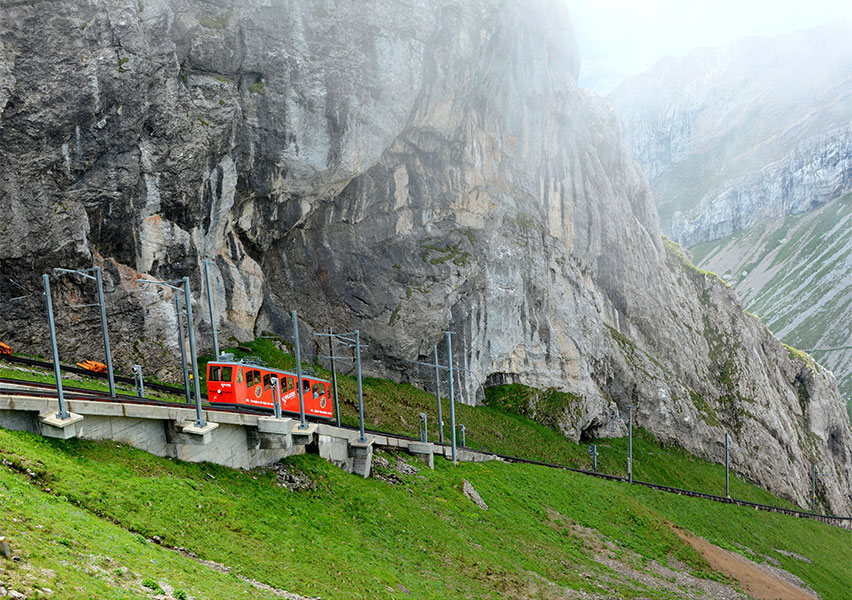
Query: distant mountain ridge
[732,136]
[795,273]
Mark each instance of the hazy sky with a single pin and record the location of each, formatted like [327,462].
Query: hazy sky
[619,38]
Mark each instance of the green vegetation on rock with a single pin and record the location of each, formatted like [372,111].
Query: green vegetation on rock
[220,22]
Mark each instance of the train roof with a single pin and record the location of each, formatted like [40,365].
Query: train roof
[239,363]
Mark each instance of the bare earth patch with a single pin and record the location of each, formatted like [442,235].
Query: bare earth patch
[757,580]
[620,567]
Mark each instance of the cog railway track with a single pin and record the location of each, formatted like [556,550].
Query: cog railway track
[15,387]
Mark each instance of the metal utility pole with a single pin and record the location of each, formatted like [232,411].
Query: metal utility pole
[352,340]
[99,283]
[813,489]
[438,395]
[630,443]
[303,424]
[138,382]
[593,451]
[448,338]
[727,480]
[206,264]
[462,432]
[276,397]
[200,421]
[363,438]
[182,352]
[424,428]
[63,413]
[333,378]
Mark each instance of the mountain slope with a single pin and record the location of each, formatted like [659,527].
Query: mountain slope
[795,273]
[735,135]
[404,170]
[310,529]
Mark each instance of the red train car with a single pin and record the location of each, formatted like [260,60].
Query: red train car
[246,383]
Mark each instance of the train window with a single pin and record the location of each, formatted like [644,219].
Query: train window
[239,375]
[315,390]
[290,384]
[267,381]
[214,374]
[306,385]
[250,380]
[226,373]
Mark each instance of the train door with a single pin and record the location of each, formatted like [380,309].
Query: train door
[240,386]
[288,392]
[320,397]
[254,387]
[268,392]
[306,392]
[220,387]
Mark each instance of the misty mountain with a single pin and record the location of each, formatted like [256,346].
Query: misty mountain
[732,136]
[403,170]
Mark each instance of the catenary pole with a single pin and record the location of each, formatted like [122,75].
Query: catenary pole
[62,414]
[448,338]
[182,351]
[438,395]
[727,479]
[303,424]
[333,377]
[99,281]
[630,443]
[363,437]
[206,264]
[200,420]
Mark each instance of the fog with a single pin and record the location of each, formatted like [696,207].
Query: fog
[619,38]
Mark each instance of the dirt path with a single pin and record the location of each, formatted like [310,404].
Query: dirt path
[758,583]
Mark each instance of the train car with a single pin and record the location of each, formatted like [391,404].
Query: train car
[248,383]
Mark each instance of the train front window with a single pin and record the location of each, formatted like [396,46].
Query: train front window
[226,373]
[214,374]
[239,375]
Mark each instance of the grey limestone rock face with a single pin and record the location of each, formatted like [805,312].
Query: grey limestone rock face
[401,168]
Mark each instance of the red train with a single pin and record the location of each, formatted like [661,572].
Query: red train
[244,383]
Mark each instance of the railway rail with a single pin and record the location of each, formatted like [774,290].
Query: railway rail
[48,390]
[32,362]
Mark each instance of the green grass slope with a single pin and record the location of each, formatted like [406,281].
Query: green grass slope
[796,275]
[80,517]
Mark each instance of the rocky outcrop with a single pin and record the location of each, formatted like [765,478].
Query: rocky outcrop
[795,273]
[405,170]
[733,136]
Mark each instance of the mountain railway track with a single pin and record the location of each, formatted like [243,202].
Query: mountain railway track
[17,387]
[32,362]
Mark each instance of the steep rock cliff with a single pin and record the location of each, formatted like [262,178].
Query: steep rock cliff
[795,273]
[733,136]
[403,168]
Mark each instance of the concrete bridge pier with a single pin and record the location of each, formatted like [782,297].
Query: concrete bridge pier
[50,425]
[236,440]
